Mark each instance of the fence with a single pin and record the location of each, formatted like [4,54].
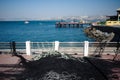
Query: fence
[5,47]
[64,47]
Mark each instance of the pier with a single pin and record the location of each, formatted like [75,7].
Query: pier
[70,24]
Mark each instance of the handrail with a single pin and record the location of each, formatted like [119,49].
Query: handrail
[67,47]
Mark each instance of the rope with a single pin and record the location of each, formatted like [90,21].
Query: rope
[51,75]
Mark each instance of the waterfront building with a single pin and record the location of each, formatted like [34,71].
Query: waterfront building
[114,20]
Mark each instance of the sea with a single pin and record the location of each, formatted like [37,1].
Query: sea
[40,31]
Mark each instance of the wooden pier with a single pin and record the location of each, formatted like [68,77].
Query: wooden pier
[70,24]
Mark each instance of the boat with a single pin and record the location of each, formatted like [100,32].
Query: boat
[26,22]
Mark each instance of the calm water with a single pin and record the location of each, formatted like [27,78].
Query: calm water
[39,31]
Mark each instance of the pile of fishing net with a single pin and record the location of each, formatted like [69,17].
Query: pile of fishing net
[58,66]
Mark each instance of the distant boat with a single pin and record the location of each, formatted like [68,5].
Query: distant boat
[26,22]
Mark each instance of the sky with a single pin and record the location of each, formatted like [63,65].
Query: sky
[38,9]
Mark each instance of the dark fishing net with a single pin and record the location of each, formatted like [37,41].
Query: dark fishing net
[58,66]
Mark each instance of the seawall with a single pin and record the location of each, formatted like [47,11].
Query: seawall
[109,29]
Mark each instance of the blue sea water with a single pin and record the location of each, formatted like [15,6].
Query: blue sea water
[39,31]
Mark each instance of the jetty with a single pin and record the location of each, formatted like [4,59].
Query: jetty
[70,24]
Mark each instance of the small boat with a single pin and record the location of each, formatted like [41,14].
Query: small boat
[26,22]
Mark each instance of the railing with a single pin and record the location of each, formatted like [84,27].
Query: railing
[109,48]
[71,47]
[39,47]
[5,47]
[64,47]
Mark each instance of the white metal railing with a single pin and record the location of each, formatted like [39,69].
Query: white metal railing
[85,48]
[71,47]
[39,47]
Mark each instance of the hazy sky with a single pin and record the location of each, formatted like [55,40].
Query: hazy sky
[35,9]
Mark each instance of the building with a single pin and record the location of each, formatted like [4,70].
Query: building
[114,20]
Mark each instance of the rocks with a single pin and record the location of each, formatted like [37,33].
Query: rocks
[99,35]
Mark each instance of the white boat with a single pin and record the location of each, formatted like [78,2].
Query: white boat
[26,22]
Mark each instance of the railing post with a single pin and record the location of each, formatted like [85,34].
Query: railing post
[56,45]
[13,47]
[28,48]
[86,48]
